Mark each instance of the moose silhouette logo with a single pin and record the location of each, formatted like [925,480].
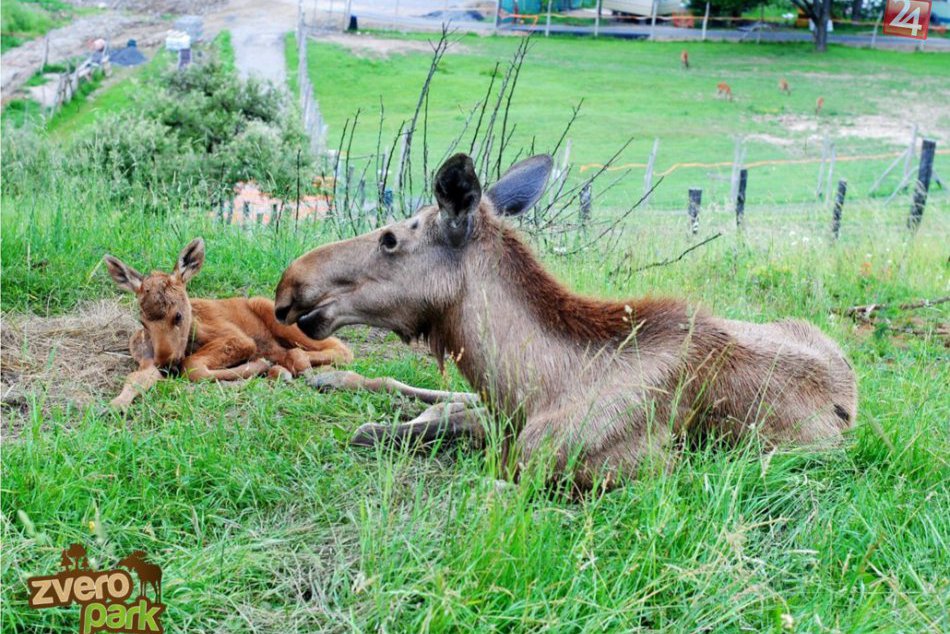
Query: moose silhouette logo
[102,595]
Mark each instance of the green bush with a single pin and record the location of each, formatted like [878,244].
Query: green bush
[196,134]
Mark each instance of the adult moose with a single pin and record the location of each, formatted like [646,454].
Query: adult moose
[216,339]
[599,384]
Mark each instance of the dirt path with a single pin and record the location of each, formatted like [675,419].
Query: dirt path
[257,33]
[20,63]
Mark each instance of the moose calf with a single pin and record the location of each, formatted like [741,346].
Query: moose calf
[218,339]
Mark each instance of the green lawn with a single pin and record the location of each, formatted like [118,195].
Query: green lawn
[638,90]
[264,520]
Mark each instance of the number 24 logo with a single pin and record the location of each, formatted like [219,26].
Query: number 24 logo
[907,18]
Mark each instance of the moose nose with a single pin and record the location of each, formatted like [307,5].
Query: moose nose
[281,312]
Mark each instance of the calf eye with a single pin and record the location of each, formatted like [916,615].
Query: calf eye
[177,319]
[388,241]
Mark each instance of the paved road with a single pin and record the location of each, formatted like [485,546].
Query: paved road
[257,33]
[407,18]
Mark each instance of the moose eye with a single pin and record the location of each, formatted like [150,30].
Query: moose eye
[177,319]
[388,241]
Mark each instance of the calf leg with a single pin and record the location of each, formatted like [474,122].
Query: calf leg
[142,379]
[344,380]
[445,421]
[225,359]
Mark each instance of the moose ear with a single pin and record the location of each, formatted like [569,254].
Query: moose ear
[123,275]
[190,260]
[521,186]
[458,192]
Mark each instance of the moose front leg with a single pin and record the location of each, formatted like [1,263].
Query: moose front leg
[445,421]
[345,380]
[147,375]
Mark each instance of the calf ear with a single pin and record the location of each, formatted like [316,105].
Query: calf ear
[123,275]
[521,186]
[190,260]
[458,192]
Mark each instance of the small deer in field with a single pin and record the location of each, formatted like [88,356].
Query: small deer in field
[723,90]
[819,105]
[684,58]
[598,386]
[784,87]
[218,339]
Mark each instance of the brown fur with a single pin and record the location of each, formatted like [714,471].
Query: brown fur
[784,87]
[684,59]
[724,90]
[609,383]
[819,104]
[220,339]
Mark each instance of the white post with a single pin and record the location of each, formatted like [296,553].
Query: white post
[596,20]
[395,13]
[877,23]
[648,176]
[821,168]
[831,173]
[497,14]
[547,27]
[758,32]
[705,21]
[911,153]
[652,19]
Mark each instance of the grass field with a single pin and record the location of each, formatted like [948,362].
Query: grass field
[638,90]
[264,520]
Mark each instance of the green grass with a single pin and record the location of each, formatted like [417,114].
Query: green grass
[24,20]
[263,519]
[225,49]
[119,94]
[638,90]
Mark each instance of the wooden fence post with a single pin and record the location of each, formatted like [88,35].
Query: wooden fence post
[585,200]
[695,199]
[839,203]
[928,147]
[740,198]
[388,204]
[738,158]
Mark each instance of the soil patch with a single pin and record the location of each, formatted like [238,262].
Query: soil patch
[378,47]
[70,359]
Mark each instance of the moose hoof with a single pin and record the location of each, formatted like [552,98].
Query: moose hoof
[336,380]
[280,373]
[368,435]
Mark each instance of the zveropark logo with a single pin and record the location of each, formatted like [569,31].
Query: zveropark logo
[103,595]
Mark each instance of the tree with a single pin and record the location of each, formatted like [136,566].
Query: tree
[819,12]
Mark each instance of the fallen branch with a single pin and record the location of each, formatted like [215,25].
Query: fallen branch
[864,312]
